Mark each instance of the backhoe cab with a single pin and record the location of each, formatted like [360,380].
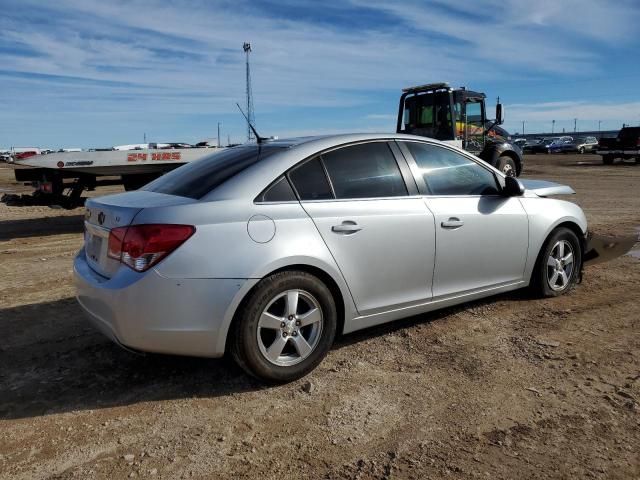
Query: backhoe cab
[458,116]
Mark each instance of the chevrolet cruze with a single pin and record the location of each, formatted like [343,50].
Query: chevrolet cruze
[268,251]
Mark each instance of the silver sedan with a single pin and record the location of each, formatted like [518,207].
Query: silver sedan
[269,251]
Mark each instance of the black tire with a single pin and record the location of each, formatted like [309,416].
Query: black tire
[542,275]
[607,159]
[246,340]
[581,151]
[507,166]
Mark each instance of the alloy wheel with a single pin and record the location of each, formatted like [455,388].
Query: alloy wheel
[560,265]
[508,170]
[290,327]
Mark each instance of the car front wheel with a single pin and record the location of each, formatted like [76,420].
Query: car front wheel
[559,264]
[285,328]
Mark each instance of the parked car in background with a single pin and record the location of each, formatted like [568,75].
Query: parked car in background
[526,148]
[269,251]
[542,146]
[625,146]
[582,145]
[561,145]
[521,142]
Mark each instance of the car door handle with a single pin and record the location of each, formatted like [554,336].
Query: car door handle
[452,223]
[346,227]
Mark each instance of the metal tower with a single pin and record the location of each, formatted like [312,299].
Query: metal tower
[250,118]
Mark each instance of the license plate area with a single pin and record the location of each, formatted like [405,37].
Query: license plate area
[93,247]
[96,243]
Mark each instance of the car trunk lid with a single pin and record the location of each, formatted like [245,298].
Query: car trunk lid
[105,213]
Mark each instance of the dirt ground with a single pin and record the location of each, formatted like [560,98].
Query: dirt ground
[508,387]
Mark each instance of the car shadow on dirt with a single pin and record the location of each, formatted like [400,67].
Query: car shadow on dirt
[522,295]
[53,361]
[40,227]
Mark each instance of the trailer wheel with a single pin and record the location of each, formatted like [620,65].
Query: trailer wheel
[607,159]
[507,166]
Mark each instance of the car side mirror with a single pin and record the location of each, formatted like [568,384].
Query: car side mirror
[499,114]
[512,187]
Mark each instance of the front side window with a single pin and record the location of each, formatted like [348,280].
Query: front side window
[447,172]
[367,170]
[474,127]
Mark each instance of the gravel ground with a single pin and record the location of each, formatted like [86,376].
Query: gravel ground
[508,387]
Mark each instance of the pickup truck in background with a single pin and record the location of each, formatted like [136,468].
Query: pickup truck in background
[625,146]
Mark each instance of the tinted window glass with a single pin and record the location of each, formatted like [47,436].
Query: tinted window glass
[196,179]
[364,171]
[310,181]
[280,191]
[448,173]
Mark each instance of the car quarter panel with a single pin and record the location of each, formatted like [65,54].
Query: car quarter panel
[545,214]
[223,247]
[139,310]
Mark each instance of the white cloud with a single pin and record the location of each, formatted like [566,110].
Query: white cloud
[570,110]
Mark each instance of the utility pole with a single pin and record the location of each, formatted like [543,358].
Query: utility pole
[553,126]
[575,125]
[599,122]
[228,140]
[250,120]
[218,134]
[523,127]
[144,136]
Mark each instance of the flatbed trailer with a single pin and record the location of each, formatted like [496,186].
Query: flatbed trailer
[60,178]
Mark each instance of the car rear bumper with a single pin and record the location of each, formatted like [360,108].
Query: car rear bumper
[151,313]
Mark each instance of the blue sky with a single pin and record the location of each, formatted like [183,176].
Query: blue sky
[82,73]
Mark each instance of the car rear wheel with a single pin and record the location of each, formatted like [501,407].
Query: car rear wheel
[581,150]
[559,264]
[507,166]
[286,327]
[607,160]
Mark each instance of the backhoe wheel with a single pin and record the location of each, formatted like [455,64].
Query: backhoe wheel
[285,328]
[507,166]
[558,265]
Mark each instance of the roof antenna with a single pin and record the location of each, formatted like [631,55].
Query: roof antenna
[259,139]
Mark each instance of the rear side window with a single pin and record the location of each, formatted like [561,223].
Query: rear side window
[310,181]
[280,191]
[448,173]
[364,171]
[196,179]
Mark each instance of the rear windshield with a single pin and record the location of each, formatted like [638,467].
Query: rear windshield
[196,179]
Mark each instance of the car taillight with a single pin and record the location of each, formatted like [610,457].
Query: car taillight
[140,247]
